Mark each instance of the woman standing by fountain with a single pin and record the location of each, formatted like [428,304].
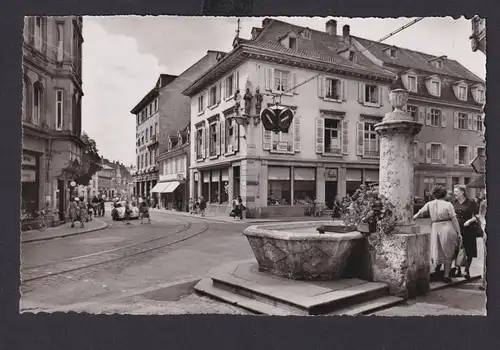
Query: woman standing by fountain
[445,234]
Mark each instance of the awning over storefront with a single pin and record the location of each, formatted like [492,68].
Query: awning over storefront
[478,182]
[171,187]
[159,187]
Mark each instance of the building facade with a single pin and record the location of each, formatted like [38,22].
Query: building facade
[447,99]
[172,191]
[106,181]
[51,111]
[478,35]
[331,147]
[159,115]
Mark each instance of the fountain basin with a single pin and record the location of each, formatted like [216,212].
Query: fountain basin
[296,250]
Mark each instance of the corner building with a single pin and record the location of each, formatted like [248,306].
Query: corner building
[51,112]
[331,147]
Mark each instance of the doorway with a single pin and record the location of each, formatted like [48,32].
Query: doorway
[330,193]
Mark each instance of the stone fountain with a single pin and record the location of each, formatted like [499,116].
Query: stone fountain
[299,271]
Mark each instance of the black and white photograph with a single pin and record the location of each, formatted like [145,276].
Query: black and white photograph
[272,166]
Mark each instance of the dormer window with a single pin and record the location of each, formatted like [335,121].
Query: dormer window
[435,88]
[439,64]
[411,82]
[462,92]
[306,34]
[480,95]
[352,56]
[393,53]
[292,43]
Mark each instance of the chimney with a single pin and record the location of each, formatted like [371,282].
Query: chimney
[346,32]
[265,22]
[331,27]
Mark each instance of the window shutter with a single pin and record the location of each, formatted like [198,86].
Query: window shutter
[361,92]
[469,153]
[266,139]
[455,155]
[443,155]
[421,152]
[294,84]
[223,87]
[343,87]
[443,119]
[321,86]
[195,143]
[421,115]
[360,149]
[428,154]
[222,137]
[475,153]
[320,135]
[203,143]
[217,138]
[345,137]
[296,134]
[469,121]
[219,92]
[381,95]
[455,120]
[236,133]
[268,77]
[427,116]
[207,141]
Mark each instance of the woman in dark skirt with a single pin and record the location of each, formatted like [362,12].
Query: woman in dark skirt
[467,211]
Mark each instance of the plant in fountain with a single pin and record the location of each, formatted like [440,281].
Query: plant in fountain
[368,206]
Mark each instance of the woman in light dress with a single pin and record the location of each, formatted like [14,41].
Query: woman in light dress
[445,234]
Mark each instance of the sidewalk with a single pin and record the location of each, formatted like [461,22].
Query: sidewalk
[63,230]
[227,218]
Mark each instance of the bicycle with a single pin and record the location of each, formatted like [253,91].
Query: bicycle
[34,220]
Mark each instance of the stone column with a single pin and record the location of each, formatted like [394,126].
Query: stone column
[400,258]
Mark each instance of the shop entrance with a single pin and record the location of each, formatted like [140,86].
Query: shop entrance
[330,193]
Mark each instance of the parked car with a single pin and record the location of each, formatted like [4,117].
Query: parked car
[118,212]
[418,203]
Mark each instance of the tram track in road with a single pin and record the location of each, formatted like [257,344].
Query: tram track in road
[34,273]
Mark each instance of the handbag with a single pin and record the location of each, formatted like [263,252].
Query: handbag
[478,231]
[461,259]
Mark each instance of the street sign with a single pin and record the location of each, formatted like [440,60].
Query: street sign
[479,164]
[277,118]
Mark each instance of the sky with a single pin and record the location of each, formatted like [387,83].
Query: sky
[124,55]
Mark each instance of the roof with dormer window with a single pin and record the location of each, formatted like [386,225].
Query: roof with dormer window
[418,60]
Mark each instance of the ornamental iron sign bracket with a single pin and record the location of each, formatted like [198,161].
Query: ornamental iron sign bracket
[277,118]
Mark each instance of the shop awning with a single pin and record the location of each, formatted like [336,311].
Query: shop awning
[159,187]
[478,182]
[171,186]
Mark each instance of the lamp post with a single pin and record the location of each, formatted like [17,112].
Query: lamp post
[396,175]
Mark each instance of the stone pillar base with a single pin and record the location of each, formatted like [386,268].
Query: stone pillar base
[402,260]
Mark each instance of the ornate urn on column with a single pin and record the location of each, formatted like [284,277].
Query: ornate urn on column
[400,258]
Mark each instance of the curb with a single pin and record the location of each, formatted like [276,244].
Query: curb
[102,227]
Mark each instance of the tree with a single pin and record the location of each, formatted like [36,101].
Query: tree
[90,163]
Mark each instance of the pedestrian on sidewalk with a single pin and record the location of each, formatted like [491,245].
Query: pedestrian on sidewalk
[144,211]
[82,211]
[128,210]
[73,211]
[482,217]
[445,232]
[241,207]
[467,211]
[235,209]
[203,205]
[191,206]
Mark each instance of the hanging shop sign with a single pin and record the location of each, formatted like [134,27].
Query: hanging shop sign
[277,118]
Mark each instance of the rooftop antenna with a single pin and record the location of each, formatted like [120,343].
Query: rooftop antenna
[238,29]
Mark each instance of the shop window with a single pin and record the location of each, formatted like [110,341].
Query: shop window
[304,185]
[278,186]
[332,136]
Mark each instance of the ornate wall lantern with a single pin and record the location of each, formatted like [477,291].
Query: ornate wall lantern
[398,95]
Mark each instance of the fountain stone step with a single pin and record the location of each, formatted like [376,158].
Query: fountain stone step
[287,296]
